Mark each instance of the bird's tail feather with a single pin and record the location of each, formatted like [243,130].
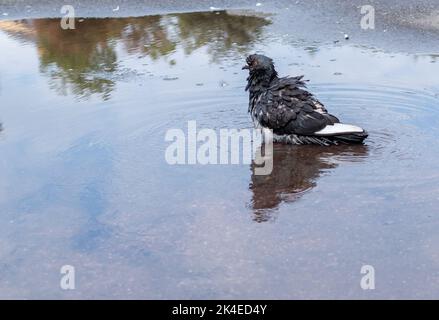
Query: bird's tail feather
[357,137]
[343,133]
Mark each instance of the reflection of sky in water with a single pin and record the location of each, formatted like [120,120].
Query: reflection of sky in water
[83,179]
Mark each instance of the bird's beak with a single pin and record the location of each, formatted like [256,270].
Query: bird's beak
[246,67]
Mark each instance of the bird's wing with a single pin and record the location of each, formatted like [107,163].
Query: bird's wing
[288,108]
[296,87]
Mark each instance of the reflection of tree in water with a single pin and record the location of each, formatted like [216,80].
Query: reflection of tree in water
[296,170]
[84,60]
[147,36]
[223,33]
[74,58]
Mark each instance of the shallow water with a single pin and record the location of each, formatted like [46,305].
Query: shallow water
[84,181]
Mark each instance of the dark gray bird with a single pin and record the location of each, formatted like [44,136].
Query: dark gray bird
[294,114]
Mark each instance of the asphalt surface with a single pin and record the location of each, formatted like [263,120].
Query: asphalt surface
[407,26]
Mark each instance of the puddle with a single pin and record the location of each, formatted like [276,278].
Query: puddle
[84,182]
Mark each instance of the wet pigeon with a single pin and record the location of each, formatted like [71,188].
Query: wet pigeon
[294,114]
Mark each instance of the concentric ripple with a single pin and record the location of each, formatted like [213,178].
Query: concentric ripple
[402,125]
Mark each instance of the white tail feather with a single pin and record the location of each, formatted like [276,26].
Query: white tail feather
[338,128]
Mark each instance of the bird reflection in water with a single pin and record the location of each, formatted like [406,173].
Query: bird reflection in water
[296,170]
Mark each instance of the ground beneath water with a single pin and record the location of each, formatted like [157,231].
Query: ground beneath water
[84,181]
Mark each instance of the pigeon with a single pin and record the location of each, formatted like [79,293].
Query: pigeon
[293,114]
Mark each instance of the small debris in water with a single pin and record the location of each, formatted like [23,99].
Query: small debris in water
[116,9]
[336,41]
[223,84]
[258,4]
[337,73]
[5,13]
[346,36]
[199,84]
[167,78]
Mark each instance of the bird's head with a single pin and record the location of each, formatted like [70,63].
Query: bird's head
[258,62]
[261,69]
